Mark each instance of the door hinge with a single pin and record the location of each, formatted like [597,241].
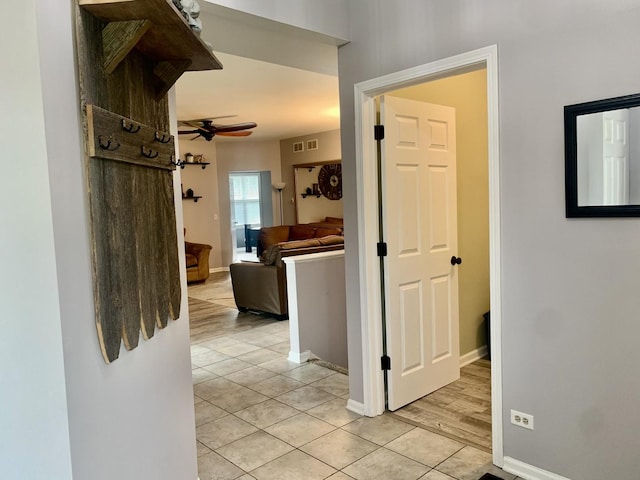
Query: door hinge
[385,362]
[378,132]
[382,249]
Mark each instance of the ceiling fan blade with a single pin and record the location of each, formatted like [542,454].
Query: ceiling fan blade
[197,136]
[196,120]
[233,134]
[187,132]
[234,128]
[190,123]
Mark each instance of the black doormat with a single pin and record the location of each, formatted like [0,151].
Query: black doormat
[488,476]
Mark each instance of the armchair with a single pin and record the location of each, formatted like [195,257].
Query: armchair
[197,257]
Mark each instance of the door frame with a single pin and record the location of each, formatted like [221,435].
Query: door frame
[368,233]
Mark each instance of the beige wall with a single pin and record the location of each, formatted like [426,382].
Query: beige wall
[467,93]
[243,157]
[328,149]
[202,219]
[313,208]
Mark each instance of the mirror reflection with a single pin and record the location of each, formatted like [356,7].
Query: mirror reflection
[602,158]
[608,157]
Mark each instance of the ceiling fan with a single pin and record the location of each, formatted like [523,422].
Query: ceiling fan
[205,128]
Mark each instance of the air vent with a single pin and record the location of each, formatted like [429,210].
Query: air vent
[298,147]
[312,144]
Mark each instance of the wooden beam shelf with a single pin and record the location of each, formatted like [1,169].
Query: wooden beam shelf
[157,30]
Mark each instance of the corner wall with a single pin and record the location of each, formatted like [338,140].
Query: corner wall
[133,419]
[569,307]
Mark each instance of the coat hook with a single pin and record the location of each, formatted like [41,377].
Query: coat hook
[108,144]
[130,126]
[162,139]
[149,153]
[179,163]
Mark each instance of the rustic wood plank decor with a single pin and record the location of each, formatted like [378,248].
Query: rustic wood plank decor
[130,52]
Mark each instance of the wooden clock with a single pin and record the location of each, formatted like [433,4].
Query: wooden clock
[330,181]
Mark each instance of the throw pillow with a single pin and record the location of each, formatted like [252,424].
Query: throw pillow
[301,232]
[271,235]
[334,220]
[311,242]
[324,231]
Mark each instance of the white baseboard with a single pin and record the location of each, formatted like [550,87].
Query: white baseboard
[355,407]
[299,357]
[473,355]
[529,472]
[218,269]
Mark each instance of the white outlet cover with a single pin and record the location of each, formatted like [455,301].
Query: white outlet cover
[520,419]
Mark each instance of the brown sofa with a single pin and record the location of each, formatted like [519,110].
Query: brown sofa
[269,236]
[262,286]
[197,256]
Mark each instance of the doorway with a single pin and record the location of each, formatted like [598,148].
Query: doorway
[368,201]
[251,208]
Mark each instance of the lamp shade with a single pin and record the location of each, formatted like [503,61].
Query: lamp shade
[279,185]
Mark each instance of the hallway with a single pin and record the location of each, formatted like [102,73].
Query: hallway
[259,416]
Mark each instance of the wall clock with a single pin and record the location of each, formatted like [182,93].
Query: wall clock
[330,181]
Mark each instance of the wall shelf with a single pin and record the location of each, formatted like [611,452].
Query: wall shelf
[157,30]
[201,164]
[195,198]
[305,195]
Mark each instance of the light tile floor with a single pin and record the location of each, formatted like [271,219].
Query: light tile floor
[259,416]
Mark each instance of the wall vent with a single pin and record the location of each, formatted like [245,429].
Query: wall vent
[312,144]
[298,147]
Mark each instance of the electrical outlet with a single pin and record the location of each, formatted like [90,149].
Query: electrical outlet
[523,420]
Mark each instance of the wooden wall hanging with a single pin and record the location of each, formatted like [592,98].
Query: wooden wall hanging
[130,53]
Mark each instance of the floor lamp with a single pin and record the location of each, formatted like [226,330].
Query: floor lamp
[280,186]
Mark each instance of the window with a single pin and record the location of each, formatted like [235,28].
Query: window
[244,189]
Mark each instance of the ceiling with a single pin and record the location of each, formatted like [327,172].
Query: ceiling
[284,101]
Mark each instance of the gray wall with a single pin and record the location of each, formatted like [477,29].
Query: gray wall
[34,435]
[318,306]
[325,19]
[570,308]
[132,419]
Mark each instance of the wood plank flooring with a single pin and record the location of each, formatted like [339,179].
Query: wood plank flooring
[212,310]
[461,410]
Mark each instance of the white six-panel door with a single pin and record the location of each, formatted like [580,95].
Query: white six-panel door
[615,157]
[420,229]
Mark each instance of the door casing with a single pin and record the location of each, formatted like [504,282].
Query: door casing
[367,223]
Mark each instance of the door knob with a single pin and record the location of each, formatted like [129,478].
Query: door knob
[456,260]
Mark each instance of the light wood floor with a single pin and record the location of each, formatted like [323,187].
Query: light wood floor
[461,410]
[213,313]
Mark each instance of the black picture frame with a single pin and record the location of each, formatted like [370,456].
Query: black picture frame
[571,113]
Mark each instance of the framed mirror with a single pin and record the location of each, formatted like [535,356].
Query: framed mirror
[602,158]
